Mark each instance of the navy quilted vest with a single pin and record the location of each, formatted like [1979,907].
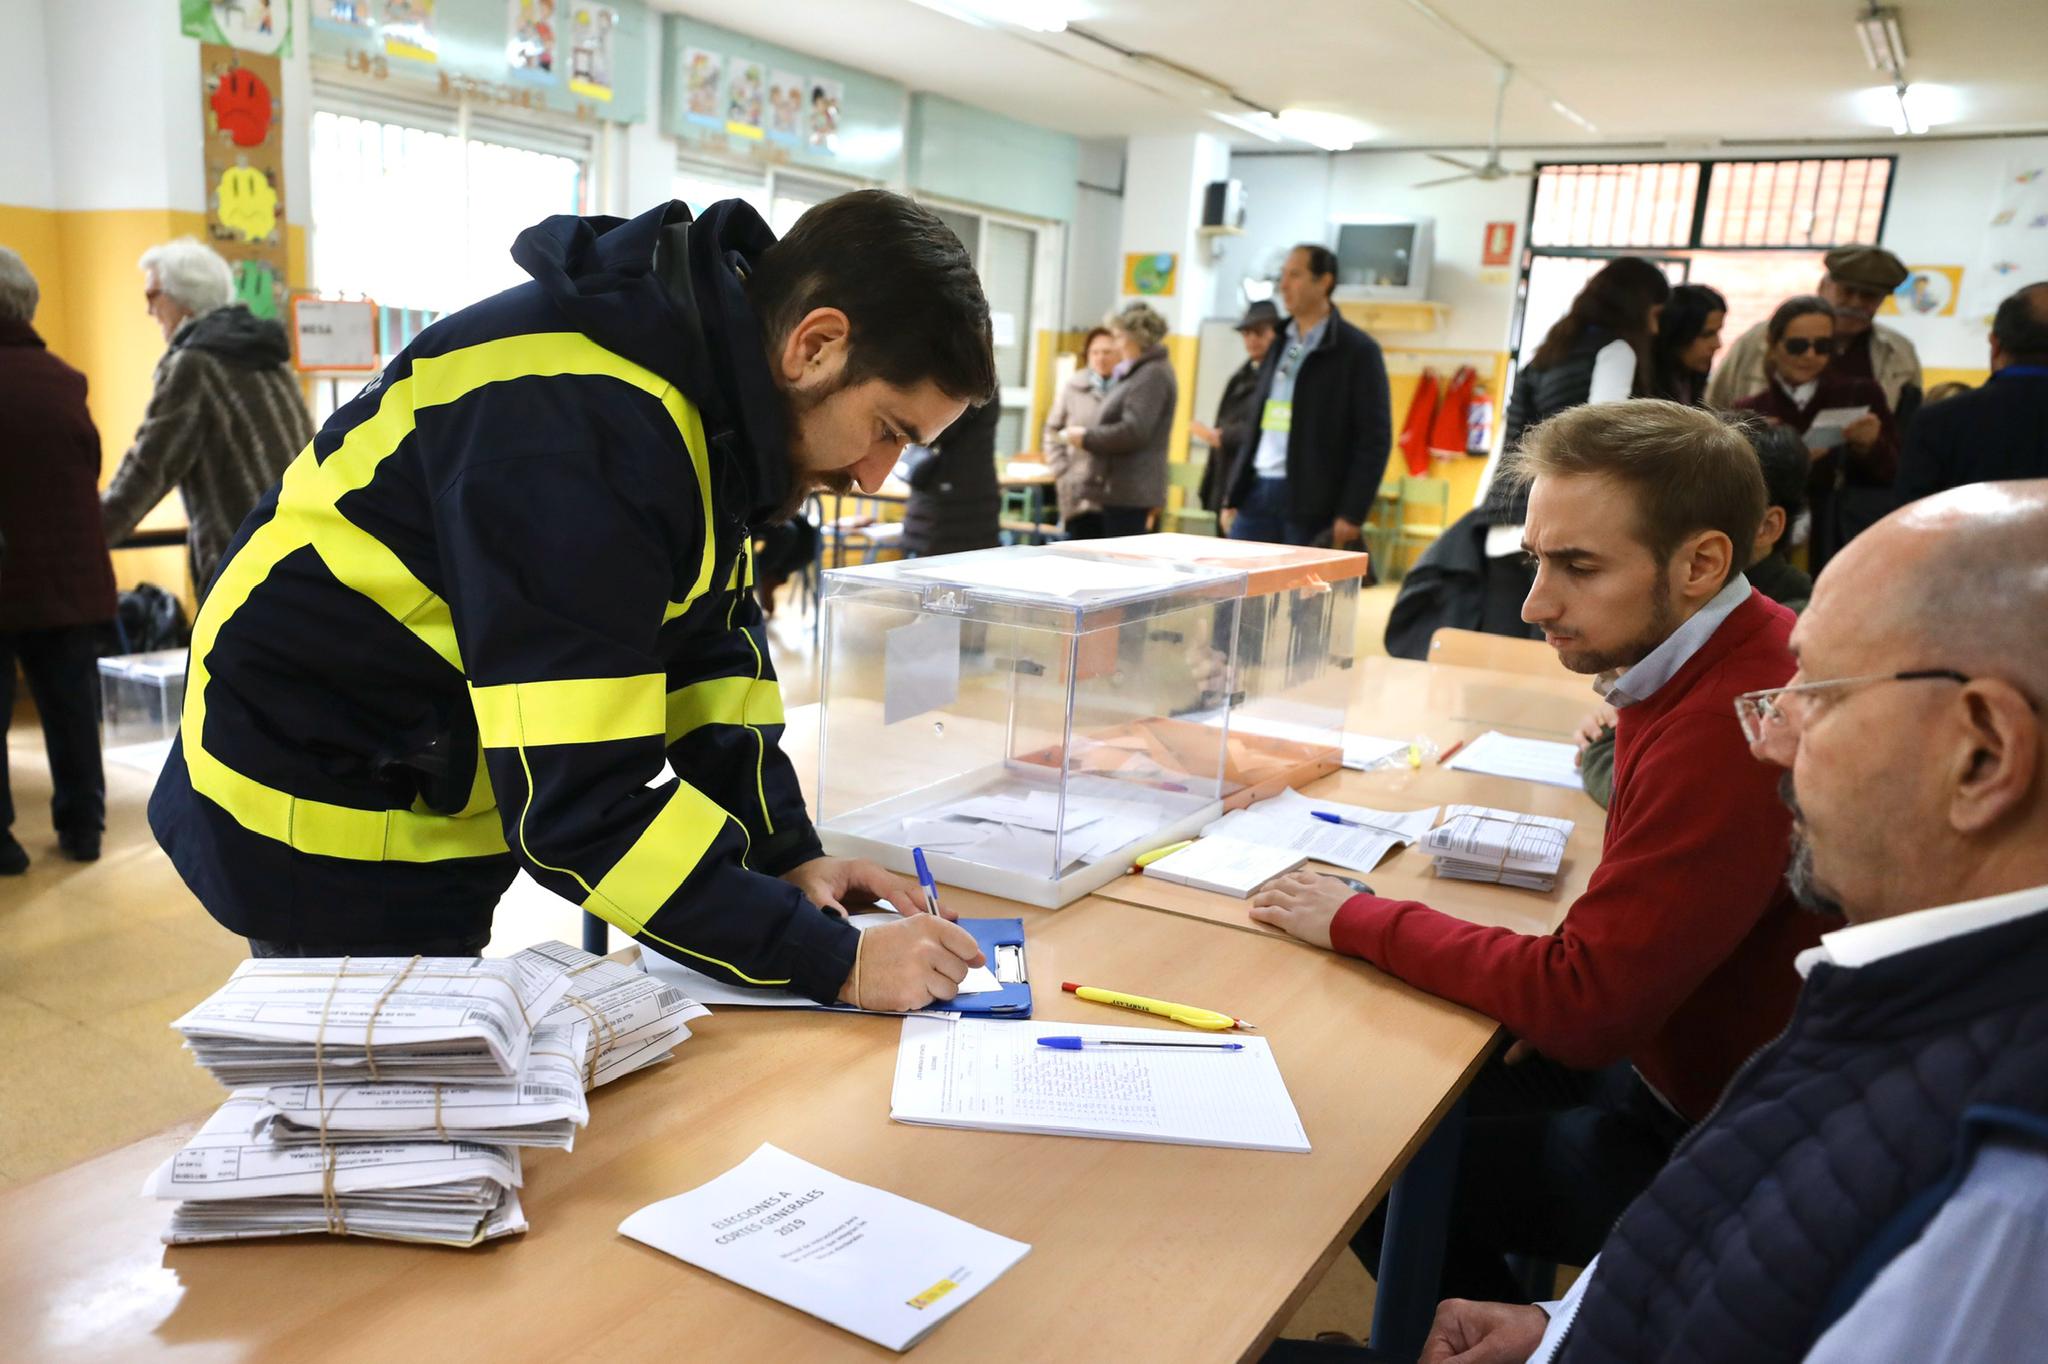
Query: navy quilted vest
[1826,1155]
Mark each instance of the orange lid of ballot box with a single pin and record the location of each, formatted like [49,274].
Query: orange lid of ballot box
[1267,568]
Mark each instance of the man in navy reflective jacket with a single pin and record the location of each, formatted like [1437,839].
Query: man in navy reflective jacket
[512,577]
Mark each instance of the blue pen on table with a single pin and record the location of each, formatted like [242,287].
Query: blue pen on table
[1090,1044]
[1326,817]
[924,878]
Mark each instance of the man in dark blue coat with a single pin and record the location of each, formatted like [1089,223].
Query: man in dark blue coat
[513,576]
[1999,430]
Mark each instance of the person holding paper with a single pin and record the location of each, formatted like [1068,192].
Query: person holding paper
[1873,1188]
[1676,962]
[1845,419]
[511,581]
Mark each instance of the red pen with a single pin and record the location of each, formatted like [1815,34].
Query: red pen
[1449,753]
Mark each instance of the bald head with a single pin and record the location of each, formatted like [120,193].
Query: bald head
[1957,580]
[2019,330]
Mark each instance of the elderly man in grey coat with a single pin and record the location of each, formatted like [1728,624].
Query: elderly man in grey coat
[226,415]
[1118,461]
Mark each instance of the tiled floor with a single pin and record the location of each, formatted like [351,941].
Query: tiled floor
[99,958]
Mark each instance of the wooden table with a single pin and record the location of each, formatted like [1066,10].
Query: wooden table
[1139,1251]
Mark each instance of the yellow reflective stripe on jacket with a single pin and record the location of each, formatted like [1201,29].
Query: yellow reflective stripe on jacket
[307,514]
[584,710]
[655,867]
[723,701]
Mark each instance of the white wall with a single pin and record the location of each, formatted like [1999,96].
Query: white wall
[1164,180]
[27,176]
[1941,200]
[1093,264]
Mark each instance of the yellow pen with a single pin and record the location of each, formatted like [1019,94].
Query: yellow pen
[1207,1019]
[1415,755]
[1148,858]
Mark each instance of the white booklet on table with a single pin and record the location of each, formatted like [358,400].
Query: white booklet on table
[992,1075]
[1505,755]
[862,1258]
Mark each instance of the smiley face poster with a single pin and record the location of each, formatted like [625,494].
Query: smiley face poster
[244,161]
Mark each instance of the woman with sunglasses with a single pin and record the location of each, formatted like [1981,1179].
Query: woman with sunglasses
[1854,453]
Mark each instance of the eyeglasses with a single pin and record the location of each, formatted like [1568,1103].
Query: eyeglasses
[1798,345]
[1758,710]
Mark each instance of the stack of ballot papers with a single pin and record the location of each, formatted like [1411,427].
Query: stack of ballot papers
[866,1260]
[1025,829]
[389,1097]
[1289,821]
[1476,843]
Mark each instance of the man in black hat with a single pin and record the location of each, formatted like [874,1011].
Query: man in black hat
[1237,414]
[1858,279]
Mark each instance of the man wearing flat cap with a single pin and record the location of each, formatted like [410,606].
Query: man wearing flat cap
[1237,414]
[1857,280]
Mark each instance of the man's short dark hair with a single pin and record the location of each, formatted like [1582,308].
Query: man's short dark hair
[2021,325]
[1687,469]
[905,283]
[1786,463]
[1321,261]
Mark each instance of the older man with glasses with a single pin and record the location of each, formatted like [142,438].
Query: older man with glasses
[1873,1186]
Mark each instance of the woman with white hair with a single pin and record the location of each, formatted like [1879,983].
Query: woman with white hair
[226,416]
[1117,468]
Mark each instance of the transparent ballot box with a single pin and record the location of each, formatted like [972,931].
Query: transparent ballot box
[141,696]
[1296,647]
[1029,718]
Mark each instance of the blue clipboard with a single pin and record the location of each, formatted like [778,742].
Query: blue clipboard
[1002,942]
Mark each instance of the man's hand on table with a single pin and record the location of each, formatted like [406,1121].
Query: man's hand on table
[1593,728]
[910,963]
[1301,904]
[1483,1333]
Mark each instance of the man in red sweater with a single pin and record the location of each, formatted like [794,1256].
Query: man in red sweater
[1676,962]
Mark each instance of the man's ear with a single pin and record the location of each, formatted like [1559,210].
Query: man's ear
[1704,563]
[1769,533]
[814,345]
[1998,767]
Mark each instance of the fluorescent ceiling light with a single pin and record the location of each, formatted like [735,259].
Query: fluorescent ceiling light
[1331,132]
[1261,125]
[1908,109]
[1039,16]
[1883,46]
[1565,111]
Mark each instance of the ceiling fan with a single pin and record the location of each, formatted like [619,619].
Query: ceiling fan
[1491,168]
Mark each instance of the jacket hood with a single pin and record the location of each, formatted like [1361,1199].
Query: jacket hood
[669,293]
[237,336]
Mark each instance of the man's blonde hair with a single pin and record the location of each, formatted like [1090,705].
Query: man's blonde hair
[1687,469]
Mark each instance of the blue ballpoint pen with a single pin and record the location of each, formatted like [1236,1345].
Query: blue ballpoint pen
[1090,1044]
[924,878]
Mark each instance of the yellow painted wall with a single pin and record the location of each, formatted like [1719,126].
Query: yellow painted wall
[92,316]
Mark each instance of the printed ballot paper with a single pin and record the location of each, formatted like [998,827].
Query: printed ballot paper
[862,1258]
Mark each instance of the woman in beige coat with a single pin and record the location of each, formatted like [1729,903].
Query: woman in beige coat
[1116,464]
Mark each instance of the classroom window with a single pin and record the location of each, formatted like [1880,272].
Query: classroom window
[1815,202]
[1619,203]
[423,217]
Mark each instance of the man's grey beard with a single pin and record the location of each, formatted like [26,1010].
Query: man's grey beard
[1799,874]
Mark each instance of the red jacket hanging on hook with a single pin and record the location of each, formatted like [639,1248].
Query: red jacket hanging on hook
[1448,433]
[1416,429]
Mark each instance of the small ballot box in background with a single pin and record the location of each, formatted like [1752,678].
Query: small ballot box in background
[141,696]
[1031,717]
[1293,663]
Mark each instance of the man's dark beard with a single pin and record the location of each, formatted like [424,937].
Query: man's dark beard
[1799,876]
[803,483]
[1663,624]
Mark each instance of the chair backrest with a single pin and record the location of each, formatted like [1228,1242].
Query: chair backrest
[1426,493]
[1185,475]
[1476,649]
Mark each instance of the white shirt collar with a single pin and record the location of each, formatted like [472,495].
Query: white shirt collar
[1803,394]
[1662,663]
[1862,944]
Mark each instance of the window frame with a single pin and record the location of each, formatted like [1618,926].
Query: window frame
[1709,169]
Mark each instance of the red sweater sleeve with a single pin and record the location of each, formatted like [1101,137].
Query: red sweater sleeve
[1685,878]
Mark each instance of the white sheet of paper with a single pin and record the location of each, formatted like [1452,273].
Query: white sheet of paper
[920,667]
[1226,865]
[864,1259]
[1286,821]
[1505,755]
[982,1074]
[1837,417]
